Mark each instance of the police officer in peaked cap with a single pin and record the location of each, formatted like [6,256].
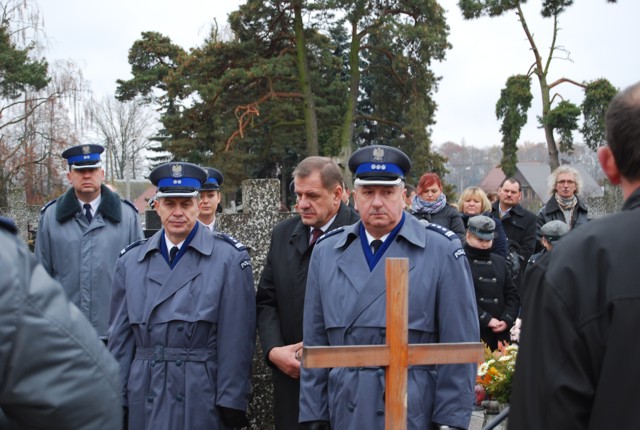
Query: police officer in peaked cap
[183,316]
[345,294]
[210,198]
[214,179]
[379,165]
[81,234]
[84,156]
[178,179]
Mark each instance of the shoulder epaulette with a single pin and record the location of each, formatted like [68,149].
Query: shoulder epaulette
[329,234]
[44,208]
[236,244]
[8,224]
[130,204]
[131,246]
[442,230]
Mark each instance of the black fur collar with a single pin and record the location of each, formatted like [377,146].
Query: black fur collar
[67,205]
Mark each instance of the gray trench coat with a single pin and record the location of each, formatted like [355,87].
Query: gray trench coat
[82,256]
[345,304]
[185,337]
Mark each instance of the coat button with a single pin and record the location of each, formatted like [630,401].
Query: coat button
[380,412]
[179,398]
[150,399]
[178,363]
[180,327]
[153,363]
[351,407]
[383,332]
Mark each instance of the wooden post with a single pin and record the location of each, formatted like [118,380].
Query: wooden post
[397,354]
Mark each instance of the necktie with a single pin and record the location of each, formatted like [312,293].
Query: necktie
[375,245]
[172,254]
[87,211]
[315,234]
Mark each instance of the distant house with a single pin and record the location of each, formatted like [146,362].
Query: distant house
[533,177]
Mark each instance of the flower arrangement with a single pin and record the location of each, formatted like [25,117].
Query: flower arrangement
[496,373]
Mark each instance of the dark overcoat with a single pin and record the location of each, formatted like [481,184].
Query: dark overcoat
[577,367]
[280,300]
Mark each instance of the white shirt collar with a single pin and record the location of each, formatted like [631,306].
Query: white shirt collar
[94,204]
[171,244]
[325,227]
[371,238]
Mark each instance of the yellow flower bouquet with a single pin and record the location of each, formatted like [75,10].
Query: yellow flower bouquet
[496,373]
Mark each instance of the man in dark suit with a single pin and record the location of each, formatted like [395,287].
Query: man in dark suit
[280,296]
[519,224]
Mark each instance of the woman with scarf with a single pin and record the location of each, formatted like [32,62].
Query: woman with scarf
[564,205]
[430,204]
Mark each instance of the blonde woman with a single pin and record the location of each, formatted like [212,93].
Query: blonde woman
[474,201]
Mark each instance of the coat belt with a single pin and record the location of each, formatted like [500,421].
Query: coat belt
[160,353]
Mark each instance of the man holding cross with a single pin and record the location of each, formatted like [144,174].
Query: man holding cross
[345,305]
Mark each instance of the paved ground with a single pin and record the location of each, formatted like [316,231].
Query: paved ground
[479,420]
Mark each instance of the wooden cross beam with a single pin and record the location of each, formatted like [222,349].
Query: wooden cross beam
[397,354]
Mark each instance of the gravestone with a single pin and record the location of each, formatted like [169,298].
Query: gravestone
[252,227]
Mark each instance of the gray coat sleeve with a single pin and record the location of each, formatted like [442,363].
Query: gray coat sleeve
[53,368]
[43,244]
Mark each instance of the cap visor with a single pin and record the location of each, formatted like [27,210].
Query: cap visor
[378,181]
[160,194]
[86,166]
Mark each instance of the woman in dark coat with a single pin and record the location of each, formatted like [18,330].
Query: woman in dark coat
[430,204]
[474,201]
[496,294]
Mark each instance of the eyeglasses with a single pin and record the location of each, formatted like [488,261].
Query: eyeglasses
[566,182]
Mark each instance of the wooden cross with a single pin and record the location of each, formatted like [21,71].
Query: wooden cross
[397,354]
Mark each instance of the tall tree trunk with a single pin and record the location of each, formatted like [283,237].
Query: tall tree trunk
[541,70]
[309,105]
[348,124]
[4,191]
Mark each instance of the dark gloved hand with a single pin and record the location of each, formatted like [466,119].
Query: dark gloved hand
[125,418]
[316,425]
[233,417]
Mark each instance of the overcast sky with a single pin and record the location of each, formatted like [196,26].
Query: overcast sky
[600,38]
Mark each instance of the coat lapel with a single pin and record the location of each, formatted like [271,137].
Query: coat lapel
[300,238]
[183,273]
[370,285]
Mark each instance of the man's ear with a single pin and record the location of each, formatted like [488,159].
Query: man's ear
[337,194]
[608,164]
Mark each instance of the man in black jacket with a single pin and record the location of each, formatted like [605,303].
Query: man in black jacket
[519,224]
[577,366]
[280,296]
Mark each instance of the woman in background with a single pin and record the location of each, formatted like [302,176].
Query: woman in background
[430,204]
